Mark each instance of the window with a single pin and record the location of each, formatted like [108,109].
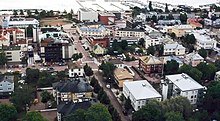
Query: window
[195,96]
[191,96]
[0,85]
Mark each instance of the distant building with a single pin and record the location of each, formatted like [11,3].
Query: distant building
[131,40]
[13,53]
[193,59]
[150,64]
[74,90]
[169,22]
[126,32]
[181,30]
[122,75]
[182,85]
[174,49]
[87,15]
[106,18]
[75,70]
[140,92]
[6,85]
[99,50]
[19,22]
[118,63]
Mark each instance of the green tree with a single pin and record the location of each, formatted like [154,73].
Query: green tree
[42,14]
[127,104]
[150,6]
[150,112]
[171,67]
[108,69]
[80,55]
[21,12]
[98,112]
[173,116]
[185,68]
[80,38]
[93,81]
[183,18]
[166,9]
[45,96]
[78,115]
[34,116]
[190,39]
[203,52]
[36,12]
[141,42]
[201,115]
[154,18]
[173,35]
[105,99]
[22,97]
[8,112]
[195,74]
[88,70]
[151,50]
[124,44]
[3,59]
[208,70]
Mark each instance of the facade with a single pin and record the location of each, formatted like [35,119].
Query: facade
[182,85]
[107,18]
[150,64]
[125,32]
[87,15]
[74,90]
[193,59]
[6,85]
[174,49]
[98,50]
[122,75]
[181,30]
[19,22]
[75,70]
[140,92]
[131,40]
[103,41]
[13,53]
[152,41]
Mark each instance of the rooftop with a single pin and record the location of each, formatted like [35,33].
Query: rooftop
[184,82]
[149,60]
[183,27]
[8,78]
[142,89]
[173,46]
[194,56]
[121,74]
[128,29]
[74,65]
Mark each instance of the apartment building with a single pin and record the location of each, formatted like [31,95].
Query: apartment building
[140,92]
[174,49]
[13,53]
[193,59]
[182,85]
[87,15]
[126,32]
[131,40]
[181,30]
[75,70]
[122,75]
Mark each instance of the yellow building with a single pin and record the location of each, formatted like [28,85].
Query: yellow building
[98,50]
[121,75]
[181,30]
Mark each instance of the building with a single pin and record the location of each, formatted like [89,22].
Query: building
[118,63]
[193,59]
[174,49]
[126,32]
[87,15]
[66,108]
[6,85]
[92,30]
[150,64]
[13,53]
[19,22]
[181,30]
[98,50]
[106,18]
[74,90]
[196,25]
[75,70]
[156,40]
[131,40]
[122,75]
[140,92]
[169,22]
[176,58]
[182,85]
[103,41]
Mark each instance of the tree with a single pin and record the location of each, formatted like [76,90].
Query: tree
[105,99]
[78,115]
[173,35]
[98,112]
[171,67]
[124,44]
[34,116]
[8,112]
[42,14]
[93,81]
[183,18]
[151,50]
[203,52]
[170,17]
[32,75]
[15,12]
[190,39]
[150,112]
[3,59]
[21,12]
[88,70]
[195,74]
[141,42]
[80,38]
[29,31]
[166,9]
[208,70]
[108,69]
[154,18]
[217,64]
[150,6]
[127,104]
[45,96]
[201,115]
[29,13]
[173,116]
[80,55]
[184,68]
[36,12]
[22,97]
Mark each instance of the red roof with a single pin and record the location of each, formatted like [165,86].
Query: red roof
[10,30]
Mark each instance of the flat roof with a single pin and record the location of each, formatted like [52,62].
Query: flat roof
[142,89]
[184,82]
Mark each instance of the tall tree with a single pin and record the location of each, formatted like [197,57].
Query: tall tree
[88,70]
[173,116]
[203,52]
[151,50]
[208,70]
[8,112]
[171,67]
[29,13]
[124,44]
[190,39]
[34,116]
[32,75]
[78,115]
[141,42]
[183,18]
[217,64]
[15,12]
[3,59]
[127,104]
[21,12]
[46,96]
[150,6]
[166,9]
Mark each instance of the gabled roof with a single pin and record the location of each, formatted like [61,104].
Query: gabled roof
[76,85]
[7,78]
[122,74]
[173,46]
[150,60]
[67,108]
[194,56]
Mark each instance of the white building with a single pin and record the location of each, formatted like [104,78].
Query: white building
[6,84]
[174,49]
[118,63]
[182,85]
[13,53]
[19,22]
[75,70]
[125,32]
[140,92]
[131,40]
[87,15]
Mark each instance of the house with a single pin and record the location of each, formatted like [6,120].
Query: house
[193,59]
[122,75]
[182,85]
[98,50]
[126,32]
[140,92]
[177,59]
[150,64]
[75,70]
[181,30]
[174,49]
[74,90]
[66,108]
[13,53]
[118,63]
[87,15]
[6,85]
